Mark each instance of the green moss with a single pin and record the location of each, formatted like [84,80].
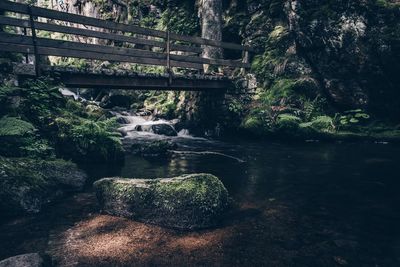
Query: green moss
[203,189]
[186,202]
[11,126]
[27,184]
[22,172]
[164,104]
[387,4]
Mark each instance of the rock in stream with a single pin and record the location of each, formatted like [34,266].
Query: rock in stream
[185,202]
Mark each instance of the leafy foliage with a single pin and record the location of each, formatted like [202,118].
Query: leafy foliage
[352,118]
[65,124]
[86,140]
[19,138]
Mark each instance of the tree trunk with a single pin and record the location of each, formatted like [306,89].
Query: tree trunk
[210,13]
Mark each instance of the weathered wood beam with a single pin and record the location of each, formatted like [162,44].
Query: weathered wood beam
[140,83]
[74,18]
[20,39]
[91,33]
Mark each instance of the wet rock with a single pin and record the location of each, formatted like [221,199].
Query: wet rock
[185,202]
[157,148]
[26,185]
[24,260]
[123,120]
[112,101]
[161,129]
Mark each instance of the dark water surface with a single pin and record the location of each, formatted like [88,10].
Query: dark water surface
[302,204]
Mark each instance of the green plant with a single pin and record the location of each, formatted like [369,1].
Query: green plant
[86,140]
[287,123]
[352,118]
[236,106]
[42,101]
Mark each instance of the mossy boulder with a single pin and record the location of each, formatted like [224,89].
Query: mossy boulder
[26,185]
[186,202]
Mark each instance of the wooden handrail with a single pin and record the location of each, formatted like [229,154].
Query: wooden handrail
[50,47]
[74,18]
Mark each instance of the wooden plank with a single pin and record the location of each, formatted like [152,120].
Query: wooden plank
[16,48]
[19,39]
[58,15]
[50,51]
[140,83]
[23,23]
[14,7]
[75,18]
[91,33]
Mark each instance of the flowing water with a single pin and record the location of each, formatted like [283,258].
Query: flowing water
[298,204]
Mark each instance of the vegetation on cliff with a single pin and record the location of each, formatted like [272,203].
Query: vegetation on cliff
[38,121]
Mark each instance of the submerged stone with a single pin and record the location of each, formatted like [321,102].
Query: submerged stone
[24,260]
[158,148]
[185,202]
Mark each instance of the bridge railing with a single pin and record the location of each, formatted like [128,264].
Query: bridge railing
[167,42]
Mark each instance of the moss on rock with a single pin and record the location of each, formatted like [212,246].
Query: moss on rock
[185,202]
[27,184]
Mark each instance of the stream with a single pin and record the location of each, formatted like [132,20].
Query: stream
[296,204]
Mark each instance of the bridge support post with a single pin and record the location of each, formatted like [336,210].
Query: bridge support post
[34,41]
[169,71]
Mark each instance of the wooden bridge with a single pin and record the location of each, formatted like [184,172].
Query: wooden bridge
[113,42]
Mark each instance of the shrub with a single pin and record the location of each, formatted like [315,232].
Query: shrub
[254,125]
[86,140]
[320,124]
[18,138]
[287,123]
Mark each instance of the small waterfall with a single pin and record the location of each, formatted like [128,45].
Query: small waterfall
[68,93]
[184,133]
[146,126]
